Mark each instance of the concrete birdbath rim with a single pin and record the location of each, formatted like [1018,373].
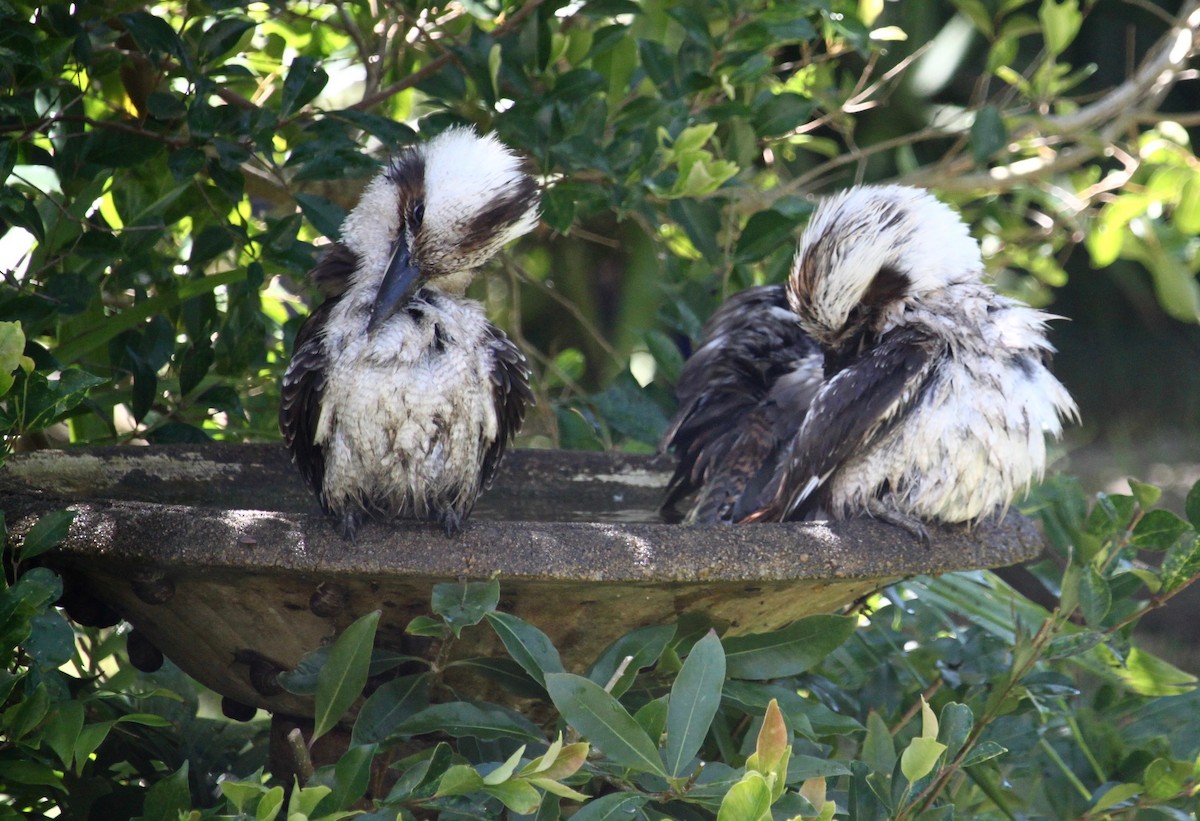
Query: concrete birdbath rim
[136,495]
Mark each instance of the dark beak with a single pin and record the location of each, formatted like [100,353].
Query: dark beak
[401,279]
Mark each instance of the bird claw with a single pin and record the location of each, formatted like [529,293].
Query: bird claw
[452,522]
[909,524]
[349,524]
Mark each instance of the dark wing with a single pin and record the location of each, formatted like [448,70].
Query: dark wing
[855,408]
[300,398]
[331,274]
[304,381]
[512,395]
[742,394]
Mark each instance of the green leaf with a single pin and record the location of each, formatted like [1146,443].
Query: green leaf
[602,720]
[459,780]
[1060,23]
[153,35]
[1181,563]
[421,779]
[239,793]
[505,770]
[652,717]
[462,719]
[169,797]
[764,232]
[304,800]
[427,626]
[344,674]
[920,757]
[1148,675]
[389,706]
[1113,795]
[747,800]
[1192,506]
[90,738]
[1147,495]
[51,640]
[351,775]
[270,805]
[695,697]
[518,796]
[644,645]
[780,114]
[878,747]
[47,533]
[789,651]
[12,348]
[983,751]
[324,215]
[1165,779]
[528,646]
[62,729]
[956,721]
[465,604]
[1159,529]
[988,134]
[29,772]
[1095,596]
[618,806]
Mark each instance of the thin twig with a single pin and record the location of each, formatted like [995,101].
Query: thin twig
[439,62]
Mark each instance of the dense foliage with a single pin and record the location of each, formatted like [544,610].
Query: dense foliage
[169,170]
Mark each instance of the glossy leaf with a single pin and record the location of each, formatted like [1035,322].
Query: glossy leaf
[389,706]
[1159,529]
[788,651]
[461,719]
[465,604]
[528,646]
[344,674]
[602,720]
[695,697]
[46,533]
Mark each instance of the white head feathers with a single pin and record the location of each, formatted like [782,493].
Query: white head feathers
[869,246]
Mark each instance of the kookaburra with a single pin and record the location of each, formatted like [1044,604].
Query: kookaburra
[936,395]
[401,397]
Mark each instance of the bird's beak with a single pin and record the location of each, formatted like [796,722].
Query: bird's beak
[399,282]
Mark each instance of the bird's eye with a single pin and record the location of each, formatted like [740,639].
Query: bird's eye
[418,215]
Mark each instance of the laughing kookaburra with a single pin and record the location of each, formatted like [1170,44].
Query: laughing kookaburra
[935,399]
[401,397]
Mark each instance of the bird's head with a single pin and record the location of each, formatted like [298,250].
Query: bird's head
[438,212]
[869,248]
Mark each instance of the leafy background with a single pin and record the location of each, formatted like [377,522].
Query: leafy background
[170,170]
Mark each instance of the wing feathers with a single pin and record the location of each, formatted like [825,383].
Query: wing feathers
[854,409]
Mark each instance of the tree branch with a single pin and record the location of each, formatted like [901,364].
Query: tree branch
[1091,128]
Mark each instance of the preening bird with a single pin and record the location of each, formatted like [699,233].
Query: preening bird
[742,396]
[936,395]
[401,397]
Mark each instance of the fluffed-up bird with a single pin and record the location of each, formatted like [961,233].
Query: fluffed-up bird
[936,395]
[401,397]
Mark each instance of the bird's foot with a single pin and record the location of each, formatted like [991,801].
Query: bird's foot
[909,524]
[452,522]
[349,523]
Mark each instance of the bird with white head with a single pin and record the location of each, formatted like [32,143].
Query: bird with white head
[401,397]
[935,397]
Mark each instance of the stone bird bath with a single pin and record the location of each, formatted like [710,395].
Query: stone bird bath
[218,555]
